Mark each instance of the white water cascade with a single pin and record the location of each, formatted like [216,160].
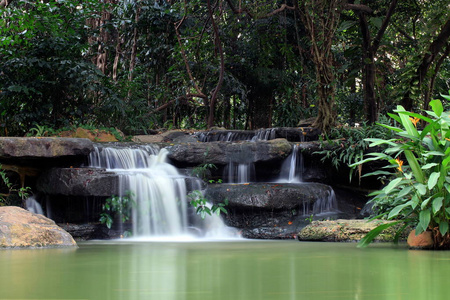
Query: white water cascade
[157,188]
[33,206]
[292,167]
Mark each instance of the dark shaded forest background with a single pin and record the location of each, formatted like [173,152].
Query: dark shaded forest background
[139,65]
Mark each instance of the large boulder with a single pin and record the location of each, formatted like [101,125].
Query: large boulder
[222,153]
[272,210]
[20,228]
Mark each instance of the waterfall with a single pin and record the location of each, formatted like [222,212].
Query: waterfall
[33,206]
[292,167]
[240,172]
[156,187]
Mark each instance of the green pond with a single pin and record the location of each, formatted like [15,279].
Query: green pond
[231,270]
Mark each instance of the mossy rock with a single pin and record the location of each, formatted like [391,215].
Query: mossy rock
[347,231]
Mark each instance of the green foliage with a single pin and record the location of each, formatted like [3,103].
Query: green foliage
[11,190]
[203,208]
[117,207]
[44,77]
[202,171]
[418,192]
[347,145]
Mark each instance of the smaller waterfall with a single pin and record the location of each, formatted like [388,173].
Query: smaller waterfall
[292,167]
[326,204]
[240,172]
[33,206]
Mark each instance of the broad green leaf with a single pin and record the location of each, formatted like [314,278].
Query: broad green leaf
[396,210]
[421,188]
[443,227]
[433,180]
[393,184]
[424,218]
[435,153]
[425,203]
[405,191]
[437,204]
[369,237]
[406,122]
[379,172]
[430,165]
[414,165]
[437,107]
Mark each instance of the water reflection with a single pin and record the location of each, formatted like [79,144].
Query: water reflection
[223,270]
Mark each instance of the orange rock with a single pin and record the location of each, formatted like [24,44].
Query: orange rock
[422,241]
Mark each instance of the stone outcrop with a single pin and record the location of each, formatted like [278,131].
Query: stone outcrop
[272,210]
[346,231]
[221,153]
[78,182]
[35,147]
[20,228]
[86,182]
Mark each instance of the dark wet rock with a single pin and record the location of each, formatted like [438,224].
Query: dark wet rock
[78,182]
[347,231]
[20,228]
[89,182]
[271,196]
[272,210]
[222,153]
[93,231]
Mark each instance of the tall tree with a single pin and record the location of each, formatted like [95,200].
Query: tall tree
[370,47]
[321,19]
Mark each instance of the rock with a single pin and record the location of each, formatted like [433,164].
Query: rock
[421,241]
[87,182]
[148,139]
[272,210]
[20,228]
[221,153]
[346,231]
[35,147]
[78,182]
[270,196]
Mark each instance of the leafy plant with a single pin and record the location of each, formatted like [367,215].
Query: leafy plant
[348,144]
[11,190]
[203,207]
[418,193]
[117,206]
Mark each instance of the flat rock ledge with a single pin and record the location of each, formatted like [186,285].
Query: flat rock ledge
[45,147]
[347,231]
[20,228]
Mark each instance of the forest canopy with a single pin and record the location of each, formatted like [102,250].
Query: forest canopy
[142,65]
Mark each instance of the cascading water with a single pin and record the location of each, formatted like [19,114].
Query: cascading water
[292,167]
[33,206]
[157,188]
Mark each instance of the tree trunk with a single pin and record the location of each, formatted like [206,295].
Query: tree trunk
[418,79]
[321,18]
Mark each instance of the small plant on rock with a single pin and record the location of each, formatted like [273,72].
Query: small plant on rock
[203,207]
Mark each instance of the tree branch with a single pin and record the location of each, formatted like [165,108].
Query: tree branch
[384,25]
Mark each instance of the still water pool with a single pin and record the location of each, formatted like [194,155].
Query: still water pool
[247,270]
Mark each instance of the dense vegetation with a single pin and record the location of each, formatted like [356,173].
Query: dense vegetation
[140,65]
